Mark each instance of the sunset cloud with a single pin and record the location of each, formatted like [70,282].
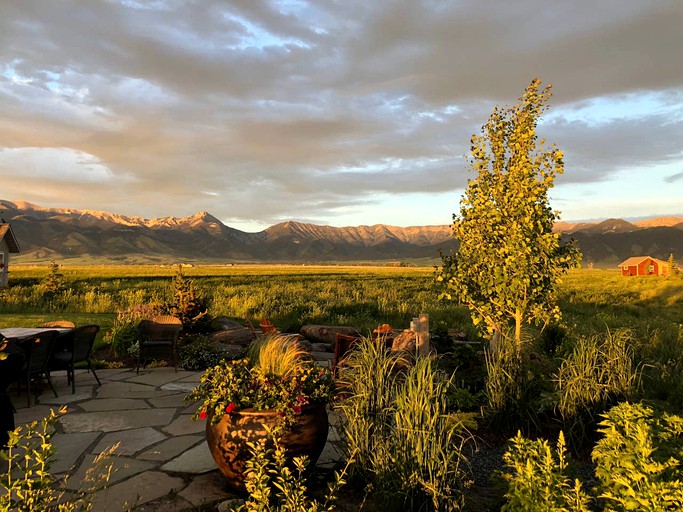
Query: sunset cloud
[260,111]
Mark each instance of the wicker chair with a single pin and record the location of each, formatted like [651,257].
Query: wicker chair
[159,333]
[75,347]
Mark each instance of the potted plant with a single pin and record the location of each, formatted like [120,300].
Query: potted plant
[277,383]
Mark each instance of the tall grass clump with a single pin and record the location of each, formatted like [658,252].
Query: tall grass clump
[427,444]
[393,419]
[368,387]
[276,355]
[598,373]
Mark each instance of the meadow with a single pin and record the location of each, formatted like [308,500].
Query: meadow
[363,296]
[620,339]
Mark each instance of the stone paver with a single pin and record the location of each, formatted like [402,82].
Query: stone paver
[107,421]
[157,377]
[177,400]
[197,460]
[185,387]
[124,389]
[170,448]
[66,398]
[145,487]
[204,489]
[69,449]
[130,441]
[163,462]
[113,404]
[184,425]
[123,468]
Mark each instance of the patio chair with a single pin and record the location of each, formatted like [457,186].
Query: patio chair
[59,323]
[10,369]
[342,346]
[38,351]
[159,333]
[75,347]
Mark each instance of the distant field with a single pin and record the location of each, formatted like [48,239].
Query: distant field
[290,295]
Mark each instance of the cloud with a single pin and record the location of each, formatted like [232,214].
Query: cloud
[266,110]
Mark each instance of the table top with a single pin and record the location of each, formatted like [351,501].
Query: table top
[20,333]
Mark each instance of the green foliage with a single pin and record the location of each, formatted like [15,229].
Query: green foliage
[30,486]
[275,355]
[53,282]
[187,303]
[673,266]
[639,461]
[599,372]
[538,480]
[243,383]
[124,333]
[509,261]
[197,352]
[396,424]
[274,487]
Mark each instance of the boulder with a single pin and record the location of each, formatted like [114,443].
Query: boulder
[405,341]
[242,336]
[221,323]
[326,333]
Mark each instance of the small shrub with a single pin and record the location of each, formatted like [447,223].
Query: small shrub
[274,487]
[196,352]
[53,282]
[188,304]
[537,478]
[124,331]
[639,459]
[30,486]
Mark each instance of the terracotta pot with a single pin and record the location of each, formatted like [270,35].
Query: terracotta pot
[228,438]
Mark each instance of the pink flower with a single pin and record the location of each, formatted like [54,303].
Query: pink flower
[297,409]
[202,415]
[231,407]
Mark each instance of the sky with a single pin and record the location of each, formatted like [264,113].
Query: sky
[337,112]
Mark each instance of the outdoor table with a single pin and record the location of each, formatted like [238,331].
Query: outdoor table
[10,369]
[23,333]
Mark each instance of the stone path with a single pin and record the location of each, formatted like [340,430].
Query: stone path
[163,463]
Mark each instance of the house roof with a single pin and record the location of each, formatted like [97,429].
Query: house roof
[637,260]
[7,234]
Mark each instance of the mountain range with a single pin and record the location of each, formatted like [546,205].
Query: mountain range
[94,236]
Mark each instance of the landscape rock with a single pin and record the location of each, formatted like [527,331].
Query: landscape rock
[405,341]
[242,336]
[326,333]
[222,323]
[322,347]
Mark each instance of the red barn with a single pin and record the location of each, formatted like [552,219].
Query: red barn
[644,266]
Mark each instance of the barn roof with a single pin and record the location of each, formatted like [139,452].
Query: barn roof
[7,234]
[636,260]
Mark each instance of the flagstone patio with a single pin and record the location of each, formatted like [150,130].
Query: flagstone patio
[163,463]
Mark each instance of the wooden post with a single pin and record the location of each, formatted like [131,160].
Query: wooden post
[423,335]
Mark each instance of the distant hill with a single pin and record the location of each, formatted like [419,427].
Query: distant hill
[94,236]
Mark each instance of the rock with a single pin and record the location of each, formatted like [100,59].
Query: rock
[241,336]
[405,341]
[231,351]
[303,342]
[322,347]
[326,333]
[221,323]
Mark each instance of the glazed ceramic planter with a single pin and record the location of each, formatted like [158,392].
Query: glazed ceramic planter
[228,438]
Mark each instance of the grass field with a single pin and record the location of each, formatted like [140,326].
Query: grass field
[591,300]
